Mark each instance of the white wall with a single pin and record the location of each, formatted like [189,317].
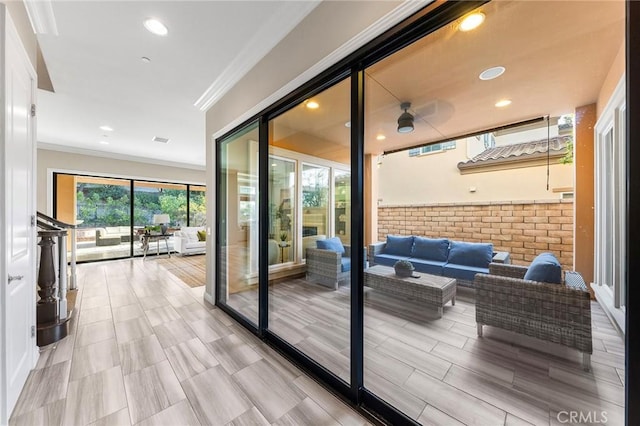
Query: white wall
[435,178]
[50,161]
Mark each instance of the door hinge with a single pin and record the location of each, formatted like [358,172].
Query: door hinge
[33,220]
[33,110]
[33,331]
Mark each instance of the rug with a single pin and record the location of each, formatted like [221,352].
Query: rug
[190,269]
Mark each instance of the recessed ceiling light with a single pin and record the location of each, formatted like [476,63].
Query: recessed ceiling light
[312,105]
[381,137]
[145,59]
[503,103]
[104,143]
[156,27]
[491,73]
[347,124]
[274,165]
[471,21]
[106,128]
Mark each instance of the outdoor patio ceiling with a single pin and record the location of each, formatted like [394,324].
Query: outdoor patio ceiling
[556,58]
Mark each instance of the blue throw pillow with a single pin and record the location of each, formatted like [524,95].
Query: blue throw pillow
[399,246]
[471,254]
[333,244]
[545,268]
[431,248]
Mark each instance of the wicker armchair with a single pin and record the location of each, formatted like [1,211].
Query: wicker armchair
[558,313]
[325,267]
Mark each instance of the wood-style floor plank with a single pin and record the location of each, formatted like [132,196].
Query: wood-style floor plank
[271,393]
[435,370]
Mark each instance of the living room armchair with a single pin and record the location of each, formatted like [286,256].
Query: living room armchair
[554,312]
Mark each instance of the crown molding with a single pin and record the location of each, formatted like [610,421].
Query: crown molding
[260,44]
[116,156]
[41,16]
[398,14]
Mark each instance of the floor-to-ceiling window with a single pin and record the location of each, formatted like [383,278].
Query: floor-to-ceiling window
[238,251]
[101,208]
[197,205]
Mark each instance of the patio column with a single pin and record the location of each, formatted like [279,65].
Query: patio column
[584,204]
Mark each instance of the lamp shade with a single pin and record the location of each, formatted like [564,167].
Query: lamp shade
[161,218]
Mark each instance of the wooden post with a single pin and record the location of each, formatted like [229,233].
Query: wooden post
[50,327]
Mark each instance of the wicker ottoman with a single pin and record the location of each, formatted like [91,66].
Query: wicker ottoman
[433,290]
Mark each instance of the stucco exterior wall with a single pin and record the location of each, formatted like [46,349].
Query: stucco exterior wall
[524,229]
[435,178]
[613,78]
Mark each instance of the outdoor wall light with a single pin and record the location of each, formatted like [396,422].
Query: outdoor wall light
[405,121]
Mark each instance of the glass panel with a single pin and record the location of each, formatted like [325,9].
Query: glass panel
[100,207]
[446,331]
[315,202]
[153,204]
[197,205]
[309,294]
[342,215]
[283,203]
[238,222]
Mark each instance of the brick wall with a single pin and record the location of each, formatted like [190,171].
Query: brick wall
[523,228]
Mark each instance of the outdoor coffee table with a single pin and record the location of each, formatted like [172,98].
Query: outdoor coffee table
[433,290]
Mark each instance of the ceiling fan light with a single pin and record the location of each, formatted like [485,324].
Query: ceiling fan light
[405,121]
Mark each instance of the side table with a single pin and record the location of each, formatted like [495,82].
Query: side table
[145,239]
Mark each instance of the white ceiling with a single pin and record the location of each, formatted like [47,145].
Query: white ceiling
[99,78]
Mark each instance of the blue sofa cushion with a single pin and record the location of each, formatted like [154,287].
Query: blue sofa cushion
[333,244]
[399,246]
[387,259]
[432,267]
[345,264]
[545,268]
[463,272]
[478,255]
[431,248]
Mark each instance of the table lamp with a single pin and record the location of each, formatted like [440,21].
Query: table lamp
[163,220]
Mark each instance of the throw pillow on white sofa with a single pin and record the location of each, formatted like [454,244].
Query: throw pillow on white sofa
[190,233]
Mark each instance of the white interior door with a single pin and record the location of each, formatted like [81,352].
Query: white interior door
[18,210]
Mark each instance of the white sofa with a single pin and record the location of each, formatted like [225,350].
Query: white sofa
[186,240]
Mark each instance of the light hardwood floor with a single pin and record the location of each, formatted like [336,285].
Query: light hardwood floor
[438,371]
[145,349]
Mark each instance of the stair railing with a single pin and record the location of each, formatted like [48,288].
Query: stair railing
[50,224]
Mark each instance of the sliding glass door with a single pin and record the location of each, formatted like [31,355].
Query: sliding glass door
[237,254]
[309,291]
[101,207]
[421,157]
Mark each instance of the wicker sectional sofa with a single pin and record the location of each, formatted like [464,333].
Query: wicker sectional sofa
[558,313]
[437,256]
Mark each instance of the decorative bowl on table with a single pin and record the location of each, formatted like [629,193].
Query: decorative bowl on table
[403,268]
